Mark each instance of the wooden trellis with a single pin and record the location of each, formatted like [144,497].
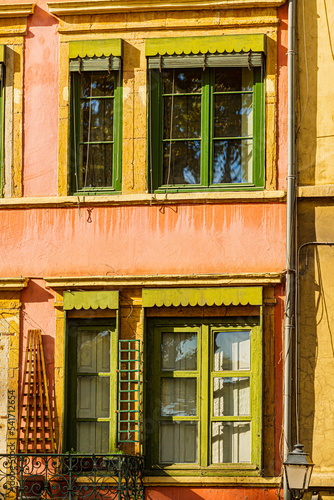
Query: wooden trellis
[35,432]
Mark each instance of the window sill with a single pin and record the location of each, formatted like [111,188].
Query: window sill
[145,199]
[267,482]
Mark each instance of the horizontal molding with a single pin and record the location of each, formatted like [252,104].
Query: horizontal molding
[13,284]
[17,10]
[145,199]
[320,191]
[253,482]
[179,280]
[68,8]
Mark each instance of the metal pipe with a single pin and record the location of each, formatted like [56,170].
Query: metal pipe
[290,239]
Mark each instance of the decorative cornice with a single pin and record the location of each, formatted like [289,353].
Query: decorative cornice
[13,284]
[205,280]
[145,199]
[69,8]
[17,10]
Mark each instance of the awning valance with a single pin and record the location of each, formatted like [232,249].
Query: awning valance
[91,300]
[95,48]
[205,45]
[2,53]
[227,296]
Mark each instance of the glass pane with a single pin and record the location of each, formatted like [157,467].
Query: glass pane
[183,114]
[98,84]
[179,351]
[97,120]
[183,165]
[182,81]
[231,351]
[231,442]
[93,394]
[178,397]
[99,165]
[93,351]
[233,79]
[231,396]
[92,437]
[178,442]
[233,115]
[232,161]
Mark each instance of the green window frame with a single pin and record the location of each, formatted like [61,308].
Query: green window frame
[197,149]
[193,404]
[87,343]
[95,117]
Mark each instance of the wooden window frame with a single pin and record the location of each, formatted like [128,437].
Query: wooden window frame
[155,125]
[70,432]
[95,64]
[204,375]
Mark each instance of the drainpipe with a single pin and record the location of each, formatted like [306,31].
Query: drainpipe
[290,239]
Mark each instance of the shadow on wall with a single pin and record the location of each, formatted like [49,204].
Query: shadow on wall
[317,332]
[306,95]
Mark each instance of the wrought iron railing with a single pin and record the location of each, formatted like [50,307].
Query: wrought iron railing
[71,477]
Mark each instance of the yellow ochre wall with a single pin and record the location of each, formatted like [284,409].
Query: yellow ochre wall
[315,160]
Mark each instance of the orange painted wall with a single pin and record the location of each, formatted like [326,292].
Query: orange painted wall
[282,97]
[184,493]
[143,240]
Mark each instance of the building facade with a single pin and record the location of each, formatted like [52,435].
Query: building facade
[144,215]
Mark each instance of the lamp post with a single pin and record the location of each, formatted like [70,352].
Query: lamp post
[298,469]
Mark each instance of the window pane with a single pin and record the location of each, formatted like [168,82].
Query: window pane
[179,351]
[182,81]
[233,79]
[93,395]
[178,397]
[233,115]
[178,442]
[99,169]
[93,351]
[231,351]
[183,113]
[183,165]
[231,396]
[231,442]
[97,120]
[232,161]
[92,437]
[96,84]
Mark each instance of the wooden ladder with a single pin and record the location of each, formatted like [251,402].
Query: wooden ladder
[35,433]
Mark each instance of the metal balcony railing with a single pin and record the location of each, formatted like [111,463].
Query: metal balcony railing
[71,476]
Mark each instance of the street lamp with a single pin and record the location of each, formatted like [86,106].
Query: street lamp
[298,469]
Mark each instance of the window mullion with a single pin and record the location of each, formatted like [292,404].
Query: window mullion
[205,128]
[204,431]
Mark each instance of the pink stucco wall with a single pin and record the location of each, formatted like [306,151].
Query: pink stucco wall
[143,239]
[40,133]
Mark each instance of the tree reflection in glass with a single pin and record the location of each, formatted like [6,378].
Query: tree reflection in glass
[96,129]
[179,351]
[182,126]
[232,126]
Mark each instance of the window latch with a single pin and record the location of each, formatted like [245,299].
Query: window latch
[204,62]
[160,63]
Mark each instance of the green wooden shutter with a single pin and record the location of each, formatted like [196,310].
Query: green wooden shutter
[129,389]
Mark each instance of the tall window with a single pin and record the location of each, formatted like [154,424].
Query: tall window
[206,117]
[204,394]
[91,386]
[95,122]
